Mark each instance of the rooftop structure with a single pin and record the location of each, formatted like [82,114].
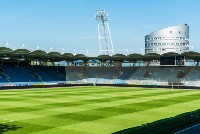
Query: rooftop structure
[171,39]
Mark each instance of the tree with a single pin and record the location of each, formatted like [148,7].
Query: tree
[191,55]
[134,57]
[104,58]
[68,56]
[19,54]
[150,57]
[170,54]
[38,55]
[82,57]
[54,56]
[4,51]
[119,57]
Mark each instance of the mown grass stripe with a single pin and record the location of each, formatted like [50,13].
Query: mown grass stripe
[89,101]
[72,108]
[128,108]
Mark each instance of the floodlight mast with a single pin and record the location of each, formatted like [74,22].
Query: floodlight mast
[106,46]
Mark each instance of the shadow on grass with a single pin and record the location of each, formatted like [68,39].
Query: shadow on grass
[166,126]
[5,128]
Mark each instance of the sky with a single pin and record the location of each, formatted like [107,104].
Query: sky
[71,24]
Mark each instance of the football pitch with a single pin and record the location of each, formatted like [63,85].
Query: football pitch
[86,110]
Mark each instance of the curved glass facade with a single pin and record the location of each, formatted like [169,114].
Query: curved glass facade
[171,39]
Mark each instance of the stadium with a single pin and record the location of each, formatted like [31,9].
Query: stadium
[66,93]
[57,93]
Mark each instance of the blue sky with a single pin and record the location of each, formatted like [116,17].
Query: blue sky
[70,24]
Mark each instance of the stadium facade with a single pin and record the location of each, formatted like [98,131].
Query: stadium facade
[171,39]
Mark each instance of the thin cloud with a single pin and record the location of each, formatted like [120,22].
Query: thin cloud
[87,37]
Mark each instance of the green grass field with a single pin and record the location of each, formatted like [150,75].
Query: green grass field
[88,110]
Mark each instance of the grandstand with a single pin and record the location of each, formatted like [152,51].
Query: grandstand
[23,67]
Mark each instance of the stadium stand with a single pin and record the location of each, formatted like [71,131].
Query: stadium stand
[22,67]
[123,75]
[153,75]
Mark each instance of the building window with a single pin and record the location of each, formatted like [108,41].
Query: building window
[170,32]
[179,32]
